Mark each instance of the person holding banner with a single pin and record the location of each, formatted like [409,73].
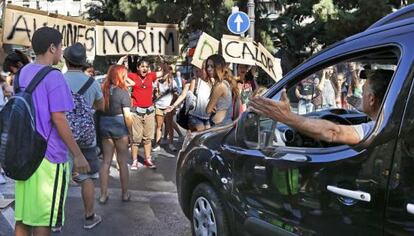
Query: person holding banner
[143,110]
[246,84]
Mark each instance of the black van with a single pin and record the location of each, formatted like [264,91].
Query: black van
[261,177]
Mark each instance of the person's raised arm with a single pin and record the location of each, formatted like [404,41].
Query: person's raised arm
[315,128]
[297,93]
[322,82]
[122,60]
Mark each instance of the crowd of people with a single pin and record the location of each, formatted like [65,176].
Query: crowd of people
[337,86]
[134,105]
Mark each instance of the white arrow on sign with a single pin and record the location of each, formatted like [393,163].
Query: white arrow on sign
[238,22]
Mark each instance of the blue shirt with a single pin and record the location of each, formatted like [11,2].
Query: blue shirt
[76,79]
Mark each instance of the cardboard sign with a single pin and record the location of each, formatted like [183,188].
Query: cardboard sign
[206,47]
[238,50]
[120,38]
[20,23]
[112,38]
[117,38]
[162,39]
[242,51]
[268,63]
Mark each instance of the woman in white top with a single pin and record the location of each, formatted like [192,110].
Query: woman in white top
[165,90]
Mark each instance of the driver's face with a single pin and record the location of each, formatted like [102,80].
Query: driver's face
[367,97]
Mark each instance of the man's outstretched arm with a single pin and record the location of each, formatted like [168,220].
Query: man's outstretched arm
[317,129]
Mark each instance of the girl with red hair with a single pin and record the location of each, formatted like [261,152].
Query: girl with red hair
[115,127]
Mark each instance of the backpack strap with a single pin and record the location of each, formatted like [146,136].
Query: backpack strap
[38,78]
[16,85]
[86,86]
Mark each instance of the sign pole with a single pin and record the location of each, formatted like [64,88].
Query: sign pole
[250,10]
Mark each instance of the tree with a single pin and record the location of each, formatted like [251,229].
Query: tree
[306,26]
[302,27]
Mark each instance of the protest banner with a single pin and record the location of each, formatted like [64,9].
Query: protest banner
[268,63]
[112,38]
[238,50]
[117,38]
[120,38]
[206,46]
[162,39]
[244,51]
[20,23]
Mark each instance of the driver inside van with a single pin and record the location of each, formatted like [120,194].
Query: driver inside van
[374,90]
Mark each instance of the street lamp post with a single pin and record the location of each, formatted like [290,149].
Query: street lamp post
[250,10]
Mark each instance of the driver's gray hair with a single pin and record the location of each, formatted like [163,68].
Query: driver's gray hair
[379,81]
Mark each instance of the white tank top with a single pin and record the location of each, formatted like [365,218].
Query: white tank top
[203,91]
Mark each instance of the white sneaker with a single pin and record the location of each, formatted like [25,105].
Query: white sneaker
[134,165]
[156,148]
[2,179]
[172,147]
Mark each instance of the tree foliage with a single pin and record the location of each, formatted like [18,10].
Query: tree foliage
[301,28]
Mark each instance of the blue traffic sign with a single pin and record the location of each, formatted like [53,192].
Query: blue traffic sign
[238,22]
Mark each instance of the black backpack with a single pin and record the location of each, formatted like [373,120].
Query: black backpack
[22,148]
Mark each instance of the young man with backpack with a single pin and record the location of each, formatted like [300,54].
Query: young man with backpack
[87,95]
[40,198]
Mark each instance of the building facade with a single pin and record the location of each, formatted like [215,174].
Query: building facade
[63,7]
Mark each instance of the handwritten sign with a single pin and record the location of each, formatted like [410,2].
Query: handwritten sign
[120,38]
[243,51]
[238,50]
[206,46]
[117,38]
[20,23]
[268,63]
[111,38]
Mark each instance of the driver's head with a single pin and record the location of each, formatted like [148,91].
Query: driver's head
[374,90]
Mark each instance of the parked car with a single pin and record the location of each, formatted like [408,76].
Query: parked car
[261,177]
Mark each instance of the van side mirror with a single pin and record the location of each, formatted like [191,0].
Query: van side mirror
[255,132]
[247,132]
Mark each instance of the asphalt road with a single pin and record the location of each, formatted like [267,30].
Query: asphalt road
[153,209]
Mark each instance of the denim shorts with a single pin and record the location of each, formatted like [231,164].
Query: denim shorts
[196,121]
[113,127]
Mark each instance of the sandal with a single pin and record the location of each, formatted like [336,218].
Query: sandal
[148,163]
[126,199]
[102,200]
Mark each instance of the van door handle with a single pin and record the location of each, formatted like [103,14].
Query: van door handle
[410,208]
[357,195]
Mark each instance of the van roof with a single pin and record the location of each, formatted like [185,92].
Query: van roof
[402,14]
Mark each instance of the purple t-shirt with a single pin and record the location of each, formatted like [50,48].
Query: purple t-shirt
[51,95]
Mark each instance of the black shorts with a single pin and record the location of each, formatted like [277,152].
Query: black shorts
[113,127]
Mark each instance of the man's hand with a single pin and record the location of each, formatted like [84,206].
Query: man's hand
[276,110]
[80,164]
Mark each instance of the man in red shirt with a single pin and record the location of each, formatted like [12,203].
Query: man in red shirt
[143,116]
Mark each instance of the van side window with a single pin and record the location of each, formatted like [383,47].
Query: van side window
[335,93]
